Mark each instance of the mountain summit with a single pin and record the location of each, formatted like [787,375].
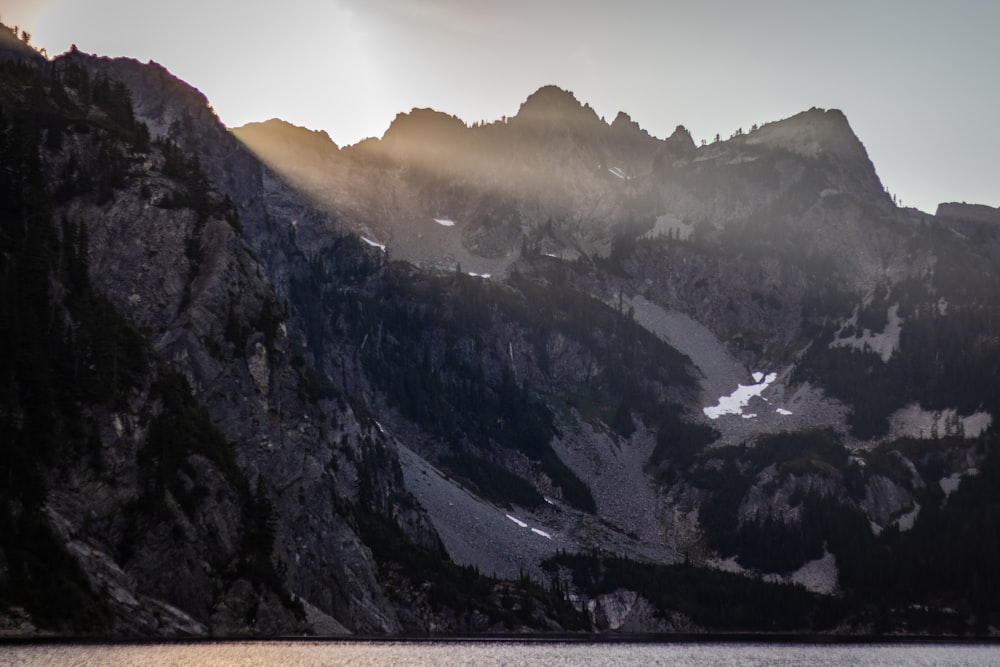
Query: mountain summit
[812,133]
[551,104]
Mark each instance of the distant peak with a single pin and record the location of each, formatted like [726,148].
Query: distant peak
[811,133]
[551,96]
[623,120]
[831,119]
[282,129]
[681,134]
[423,122]
[679,142]
[551,103]
[968,212]
[421,135]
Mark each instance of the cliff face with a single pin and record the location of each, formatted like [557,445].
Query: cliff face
[254,418]
[260,513]
[170,253]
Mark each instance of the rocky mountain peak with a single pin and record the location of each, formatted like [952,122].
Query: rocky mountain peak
[624,121]
[170,107]
[968,212]
[623,128]
[426,123]
[551,104]
[680,138]
[812,133]
[290,132]
[823,135]
[422,134]
[278,136]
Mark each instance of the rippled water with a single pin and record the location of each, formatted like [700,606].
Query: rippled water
[490,654]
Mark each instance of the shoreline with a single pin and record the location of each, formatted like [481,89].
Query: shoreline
[790,639]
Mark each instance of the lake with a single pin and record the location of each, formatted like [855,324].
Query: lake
[490,653]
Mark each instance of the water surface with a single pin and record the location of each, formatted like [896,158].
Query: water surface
[492,654]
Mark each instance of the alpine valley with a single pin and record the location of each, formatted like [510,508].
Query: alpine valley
[545,374]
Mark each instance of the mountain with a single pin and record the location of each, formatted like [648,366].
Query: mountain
[543,374]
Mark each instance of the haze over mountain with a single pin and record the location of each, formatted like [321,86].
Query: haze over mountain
[548,373]
[914,78]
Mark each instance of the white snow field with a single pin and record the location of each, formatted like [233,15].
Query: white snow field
[734,403]
[374,244]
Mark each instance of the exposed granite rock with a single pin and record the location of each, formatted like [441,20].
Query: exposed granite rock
[885,500]
[629,612]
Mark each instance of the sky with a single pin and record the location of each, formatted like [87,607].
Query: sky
[917,79]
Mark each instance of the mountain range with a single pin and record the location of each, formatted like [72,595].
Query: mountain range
[544,374]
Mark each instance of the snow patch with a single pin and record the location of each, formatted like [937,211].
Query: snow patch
[618,172]
[445,222]
[484,276]
[522,524]
[734,403]
[374,244]
[758,377]
[783,412]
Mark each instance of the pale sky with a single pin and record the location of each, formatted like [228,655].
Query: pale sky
[919,80]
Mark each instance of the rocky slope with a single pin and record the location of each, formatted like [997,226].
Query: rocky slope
[255,527]
[170,254]
[342,389]
[775,251]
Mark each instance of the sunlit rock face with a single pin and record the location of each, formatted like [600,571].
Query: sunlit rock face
[557,170]
[794,205]
[553,164]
